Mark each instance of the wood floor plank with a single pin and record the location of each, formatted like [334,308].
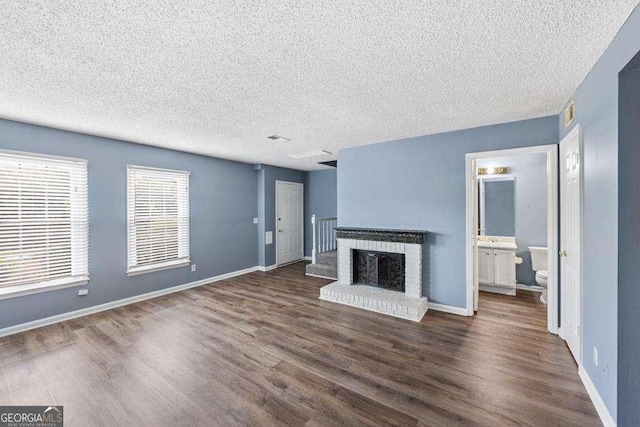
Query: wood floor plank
[262,349]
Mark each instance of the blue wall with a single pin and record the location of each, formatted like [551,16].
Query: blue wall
[597,112]
[223,237]
[419,183]
[320,198]
[628,248]
[267,177]
[530,172]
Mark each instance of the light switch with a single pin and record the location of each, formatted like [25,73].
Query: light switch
[268,237]
[255,220]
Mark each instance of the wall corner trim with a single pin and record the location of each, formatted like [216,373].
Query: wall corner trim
[38,323]
[447,309]
[601,408]
[267,268]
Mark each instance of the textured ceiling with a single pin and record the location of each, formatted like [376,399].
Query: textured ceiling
[218,77]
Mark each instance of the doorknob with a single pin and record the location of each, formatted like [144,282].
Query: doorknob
[564,253]
[280,231]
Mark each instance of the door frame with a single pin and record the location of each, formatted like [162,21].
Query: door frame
[576,132]
[552,223]
[275,219]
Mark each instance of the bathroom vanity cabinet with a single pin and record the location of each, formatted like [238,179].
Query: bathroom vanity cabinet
[497,267]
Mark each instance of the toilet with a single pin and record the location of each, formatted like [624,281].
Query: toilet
[539,265]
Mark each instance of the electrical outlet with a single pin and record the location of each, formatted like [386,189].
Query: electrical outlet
[255,220]
[193,267]
[595,356]
[83,292]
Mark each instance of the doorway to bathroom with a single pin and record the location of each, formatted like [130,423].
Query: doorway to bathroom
[512,225]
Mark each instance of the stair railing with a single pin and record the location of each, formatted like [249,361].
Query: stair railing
[324,235]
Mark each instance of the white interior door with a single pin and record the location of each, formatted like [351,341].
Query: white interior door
[480,212]
[289,224]
[478,275]
[570,245]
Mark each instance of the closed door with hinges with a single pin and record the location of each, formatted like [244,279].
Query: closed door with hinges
[289,224]
[570,244]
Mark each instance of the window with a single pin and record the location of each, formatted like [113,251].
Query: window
[44,230]
[157,219]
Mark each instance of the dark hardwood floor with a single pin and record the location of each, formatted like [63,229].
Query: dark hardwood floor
[262,349]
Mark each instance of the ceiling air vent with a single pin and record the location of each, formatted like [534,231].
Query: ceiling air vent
[309,154]
[279,138]
[570,114]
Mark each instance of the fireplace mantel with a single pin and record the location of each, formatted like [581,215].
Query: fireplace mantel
[381,235]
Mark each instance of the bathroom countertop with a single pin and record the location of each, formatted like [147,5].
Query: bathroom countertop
[497,245]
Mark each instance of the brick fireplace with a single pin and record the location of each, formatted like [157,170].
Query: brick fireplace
[393,246]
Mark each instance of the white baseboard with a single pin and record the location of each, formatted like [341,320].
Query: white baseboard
[320,277]
[267,268]
[501,290]
[448,309]
[601,408]
[535,288]
[119,303]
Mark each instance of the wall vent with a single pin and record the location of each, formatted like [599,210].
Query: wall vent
[570,114]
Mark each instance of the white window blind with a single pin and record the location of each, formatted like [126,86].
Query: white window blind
[44,226]
[157,219]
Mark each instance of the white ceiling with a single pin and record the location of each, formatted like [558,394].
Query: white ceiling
[218,77]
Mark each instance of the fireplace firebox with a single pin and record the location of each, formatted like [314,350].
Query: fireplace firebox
[380,269]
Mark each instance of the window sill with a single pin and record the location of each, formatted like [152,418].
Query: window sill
[134,271]
[34,288]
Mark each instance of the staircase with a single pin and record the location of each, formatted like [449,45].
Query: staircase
[326,265]
[324,254]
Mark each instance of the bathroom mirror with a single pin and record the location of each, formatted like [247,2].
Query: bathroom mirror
[497,196]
